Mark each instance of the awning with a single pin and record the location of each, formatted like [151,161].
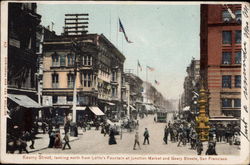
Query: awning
[79,108]
[109,103]
[133,108]
[24,101]
[96,111]
[187,108]
[223,119]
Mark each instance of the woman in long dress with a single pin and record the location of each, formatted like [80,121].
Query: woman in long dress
[58,141]
[112,137]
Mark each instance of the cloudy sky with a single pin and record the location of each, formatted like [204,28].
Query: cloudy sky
[164,36]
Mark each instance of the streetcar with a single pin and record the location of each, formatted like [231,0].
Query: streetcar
[161,116]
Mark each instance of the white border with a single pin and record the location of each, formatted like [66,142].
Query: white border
[8,158]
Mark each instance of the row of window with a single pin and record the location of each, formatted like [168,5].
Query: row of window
[60,60]
[230,103]
[226,16]
[227,37]
[227,58]
[227,81]
[80,99]
[85,77]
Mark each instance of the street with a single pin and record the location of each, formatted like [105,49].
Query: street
[93,142]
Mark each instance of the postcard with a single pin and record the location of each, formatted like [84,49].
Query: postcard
[126,82]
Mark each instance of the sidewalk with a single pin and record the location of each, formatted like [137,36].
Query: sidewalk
[42,141]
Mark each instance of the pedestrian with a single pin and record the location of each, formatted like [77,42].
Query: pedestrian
[211,149]
[137,140]
[32,138]
[154,119]
[181,138]
[112,137]
[166,133]
[146,136]
[66,139]
[51,138]
[199,146]
[58,141]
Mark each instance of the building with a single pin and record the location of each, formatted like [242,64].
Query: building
[134,84]
[191,86]
[22,64]
[99,68]
[220,57]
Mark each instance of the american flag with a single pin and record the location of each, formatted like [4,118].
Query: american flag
[150,68]
[157,83]
[139,65]
[121,29]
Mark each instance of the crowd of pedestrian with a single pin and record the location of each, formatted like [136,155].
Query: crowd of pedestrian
[183,132]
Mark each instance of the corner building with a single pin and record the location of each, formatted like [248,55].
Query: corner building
[220,42]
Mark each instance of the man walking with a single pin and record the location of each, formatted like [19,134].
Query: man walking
[146,136]
[137,140]
[66,139]
[166,133]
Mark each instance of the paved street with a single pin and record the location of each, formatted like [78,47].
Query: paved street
[93,142]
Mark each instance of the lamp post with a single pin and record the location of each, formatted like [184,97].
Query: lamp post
[202,119]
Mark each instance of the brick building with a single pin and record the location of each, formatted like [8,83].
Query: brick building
[220,58]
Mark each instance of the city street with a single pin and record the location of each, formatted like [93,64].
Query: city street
[93,142]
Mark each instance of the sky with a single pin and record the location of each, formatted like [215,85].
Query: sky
[165,37]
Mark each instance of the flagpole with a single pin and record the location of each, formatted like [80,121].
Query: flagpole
[117,31]
[110,25]
[137,70]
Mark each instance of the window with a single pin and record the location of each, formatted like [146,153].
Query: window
[54,99]
[113,92]
[55,60]
[238,81]
[85,80]
[226,58]
[227,37]
[237,103]
[69,98]
[238,58]
[238,36]
[54,80]
[226,17]
[226,81]
[89,80]
[71,80]
[238,16]
[226,103]
[90,61]
[62,60]
[71,59]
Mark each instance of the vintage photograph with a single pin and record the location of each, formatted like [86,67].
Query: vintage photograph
[96,78]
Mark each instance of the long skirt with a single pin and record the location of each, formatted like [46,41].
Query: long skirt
[112,140]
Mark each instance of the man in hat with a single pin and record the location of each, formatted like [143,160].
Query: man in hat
[66,139]
[146,136]
[137,140]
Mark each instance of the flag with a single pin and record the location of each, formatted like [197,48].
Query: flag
[121,29]
[150,68]
[157,83]
[139,65]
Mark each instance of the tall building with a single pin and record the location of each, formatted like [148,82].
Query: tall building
[220,57]
[22,63]
[99,68]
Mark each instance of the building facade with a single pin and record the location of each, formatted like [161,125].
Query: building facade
[22,63]
[220,57]
[99,66]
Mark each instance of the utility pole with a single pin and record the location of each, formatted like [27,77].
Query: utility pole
[128,101]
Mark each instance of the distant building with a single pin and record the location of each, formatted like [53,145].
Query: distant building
[220,42]
[191,86]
